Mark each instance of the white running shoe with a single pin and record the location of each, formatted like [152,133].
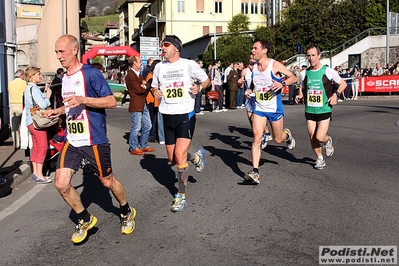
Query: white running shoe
[252,176]
[320,163]
[290,141]
[268,137]
[329,147]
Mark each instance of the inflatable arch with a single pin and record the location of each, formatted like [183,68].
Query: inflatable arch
[108,51]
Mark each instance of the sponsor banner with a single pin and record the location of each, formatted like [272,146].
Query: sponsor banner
[358,255]
[379,84]
[107,51]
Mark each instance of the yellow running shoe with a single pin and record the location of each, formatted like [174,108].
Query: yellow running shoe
[128,222]
[82,228]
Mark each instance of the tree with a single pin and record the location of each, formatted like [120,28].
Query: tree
[107,11]
[85,27]
[328,23]
[232,47]
[238,23]
[93,11]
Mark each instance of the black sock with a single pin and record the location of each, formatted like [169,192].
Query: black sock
[125,209]
[84,215]
[256,170]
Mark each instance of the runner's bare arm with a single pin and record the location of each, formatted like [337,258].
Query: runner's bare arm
[107,102]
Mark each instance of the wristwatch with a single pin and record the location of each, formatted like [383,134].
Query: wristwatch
[338,94]
[284,84]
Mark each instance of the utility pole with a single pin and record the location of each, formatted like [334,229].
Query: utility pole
[388,26]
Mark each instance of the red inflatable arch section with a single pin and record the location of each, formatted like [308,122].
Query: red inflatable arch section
[107,51]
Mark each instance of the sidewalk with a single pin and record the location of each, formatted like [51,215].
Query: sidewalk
[14,167]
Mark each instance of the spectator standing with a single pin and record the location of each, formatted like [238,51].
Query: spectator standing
[147,68]
[378,71]
[176,81]
[395,70]
[216,81]
[232,81]
[34,97]
[56,86]
[241,88]
[198,97]
[347,76]
[292,87]
[152,106]
[355,82]
[86,94]
[225,85]
[140,117]
[367,72]
[16,90]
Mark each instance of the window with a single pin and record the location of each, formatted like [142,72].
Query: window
[254,7]
[180,6]
[205,30]
[244,8]
[263,8]
[218,6]
[200,6]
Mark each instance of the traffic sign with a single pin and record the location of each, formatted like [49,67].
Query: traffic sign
[149,47]
[299,48]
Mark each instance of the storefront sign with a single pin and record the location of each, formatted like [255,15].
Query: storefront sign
[33,2]
[30,12]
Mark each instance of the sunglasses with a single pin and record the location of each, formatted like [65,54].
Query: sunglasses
[166,44]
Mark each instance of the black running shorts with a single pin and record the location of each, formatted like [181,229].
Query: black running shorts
[318,117]
[178,126]
[98,155]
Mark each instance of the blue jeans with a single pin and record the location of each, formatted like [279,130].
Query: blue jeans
[161,130]
[240,97]
[137,119]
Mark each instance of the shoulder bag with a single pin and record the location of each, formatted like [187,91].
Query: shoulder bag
[39,120]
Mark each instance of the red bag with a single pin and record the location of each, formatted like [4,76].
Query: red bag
[212,95]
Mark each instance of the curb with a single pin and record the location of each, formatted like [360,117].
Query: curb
[15,178]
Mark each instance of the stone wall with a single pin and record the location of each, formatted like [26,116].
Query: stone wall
[378,55]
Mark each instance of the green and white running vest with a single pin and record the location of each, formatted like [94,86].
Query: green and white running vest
[318,89]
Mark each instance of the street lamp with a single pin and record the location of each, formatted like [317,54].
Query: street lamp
[156,24]
[214,36]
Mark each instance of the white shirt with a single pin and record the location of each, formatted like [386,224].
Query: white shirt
[175,80]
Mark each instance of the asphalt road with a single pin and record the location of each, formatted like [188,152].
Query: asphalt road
[282,221]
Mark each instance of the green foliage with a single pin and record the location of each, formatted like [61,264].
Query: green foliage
[328,23]
[97,23]
[85,27]
[230,48]
[238,23]
[98,59]
[375,15]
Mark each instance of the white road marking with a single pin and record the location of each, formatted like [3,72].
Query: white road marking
[21,201]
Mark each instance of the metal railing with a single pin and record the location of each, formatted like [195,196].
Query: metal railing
[352,41]
[356,39]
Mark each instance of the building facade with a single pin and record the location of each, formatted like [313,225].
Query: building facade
[192,19]
[38,26]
